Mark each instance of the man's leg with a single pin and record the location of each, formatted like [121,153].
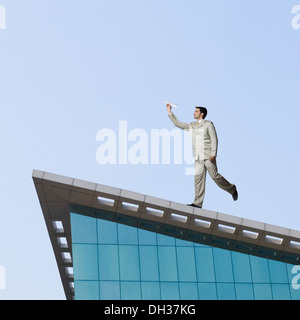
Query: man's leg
[200,178]
[218,179]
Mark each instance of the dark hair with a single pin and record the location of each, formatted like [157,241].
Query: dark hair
[203,110]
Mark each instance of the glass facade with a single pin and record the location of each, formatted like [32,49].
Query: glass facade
[112,261]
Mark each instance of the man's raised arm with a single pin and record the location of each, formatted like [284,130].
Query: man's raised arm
[176,122]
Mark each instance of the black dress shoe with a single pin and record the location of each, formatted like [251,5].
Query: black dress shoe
[235,195]
[194,205]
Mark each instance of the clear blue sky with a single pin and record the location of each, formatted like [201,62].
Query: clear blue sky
[70,68]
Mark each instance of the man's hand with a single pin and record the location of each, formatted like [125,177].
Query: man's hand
[169,107]
[212,159]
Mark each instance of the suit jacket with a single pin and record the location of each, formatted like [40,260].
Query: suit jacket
[204,137]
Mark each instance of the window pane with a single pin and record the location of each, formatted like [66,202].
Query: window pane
[127,235]
[84,229]
[281,292]
[169,291]
[278,272]
[295,293]
[107,232]
[183,243]
[205,264]
[226,291]
[85,262]
[149,263]
[244,291]
[207,291]
[259,269]
[130,290]
[241,267]
[129,263]
[167,264]
[262,292]
[108,262]
[150,291]
[86,290]
[109,290]
[186,264]
[165,240]
[146,237]
[223,265]
[188,291]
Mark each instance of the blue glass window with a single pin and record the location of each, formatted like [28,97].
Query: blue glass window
[113,261]
[295,293]
[244,291]
[262,291]
[83,229]
[127,235]
[107,232]
[188,291]
[278,272]
[205,264]
[241,267]
[165,240]
[183,243]
[281,291]
[226,291]
[130,290]
[129,263]
[260,270]
[86,290]
[110,290]
[186,264]
[108,262]
[167,263]
[150,291]
[85,259]
[146,237]
[207,291]
[169,291]
[223,265]
[149,263]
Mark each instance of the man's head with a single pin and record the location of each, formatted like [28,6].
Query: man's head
[200,113]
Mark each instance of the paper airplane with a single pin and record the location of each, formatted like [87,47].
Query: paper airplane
[172,104]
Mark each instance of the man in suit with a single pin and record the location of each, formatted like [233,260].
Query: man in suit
[205,147]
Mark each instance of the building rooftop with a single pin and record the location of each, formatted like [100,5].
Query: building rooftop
[60,195]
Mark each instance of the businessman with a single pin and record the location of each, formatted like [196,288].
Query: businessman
[205,147]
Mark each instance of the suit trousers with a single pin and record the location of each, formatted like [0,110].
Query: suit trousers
[201,167]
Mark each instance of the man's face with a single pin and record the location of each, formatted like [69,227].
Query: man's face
[197,114]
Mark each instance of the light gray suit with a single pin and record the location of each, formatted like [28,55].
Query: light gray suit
[205,145]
